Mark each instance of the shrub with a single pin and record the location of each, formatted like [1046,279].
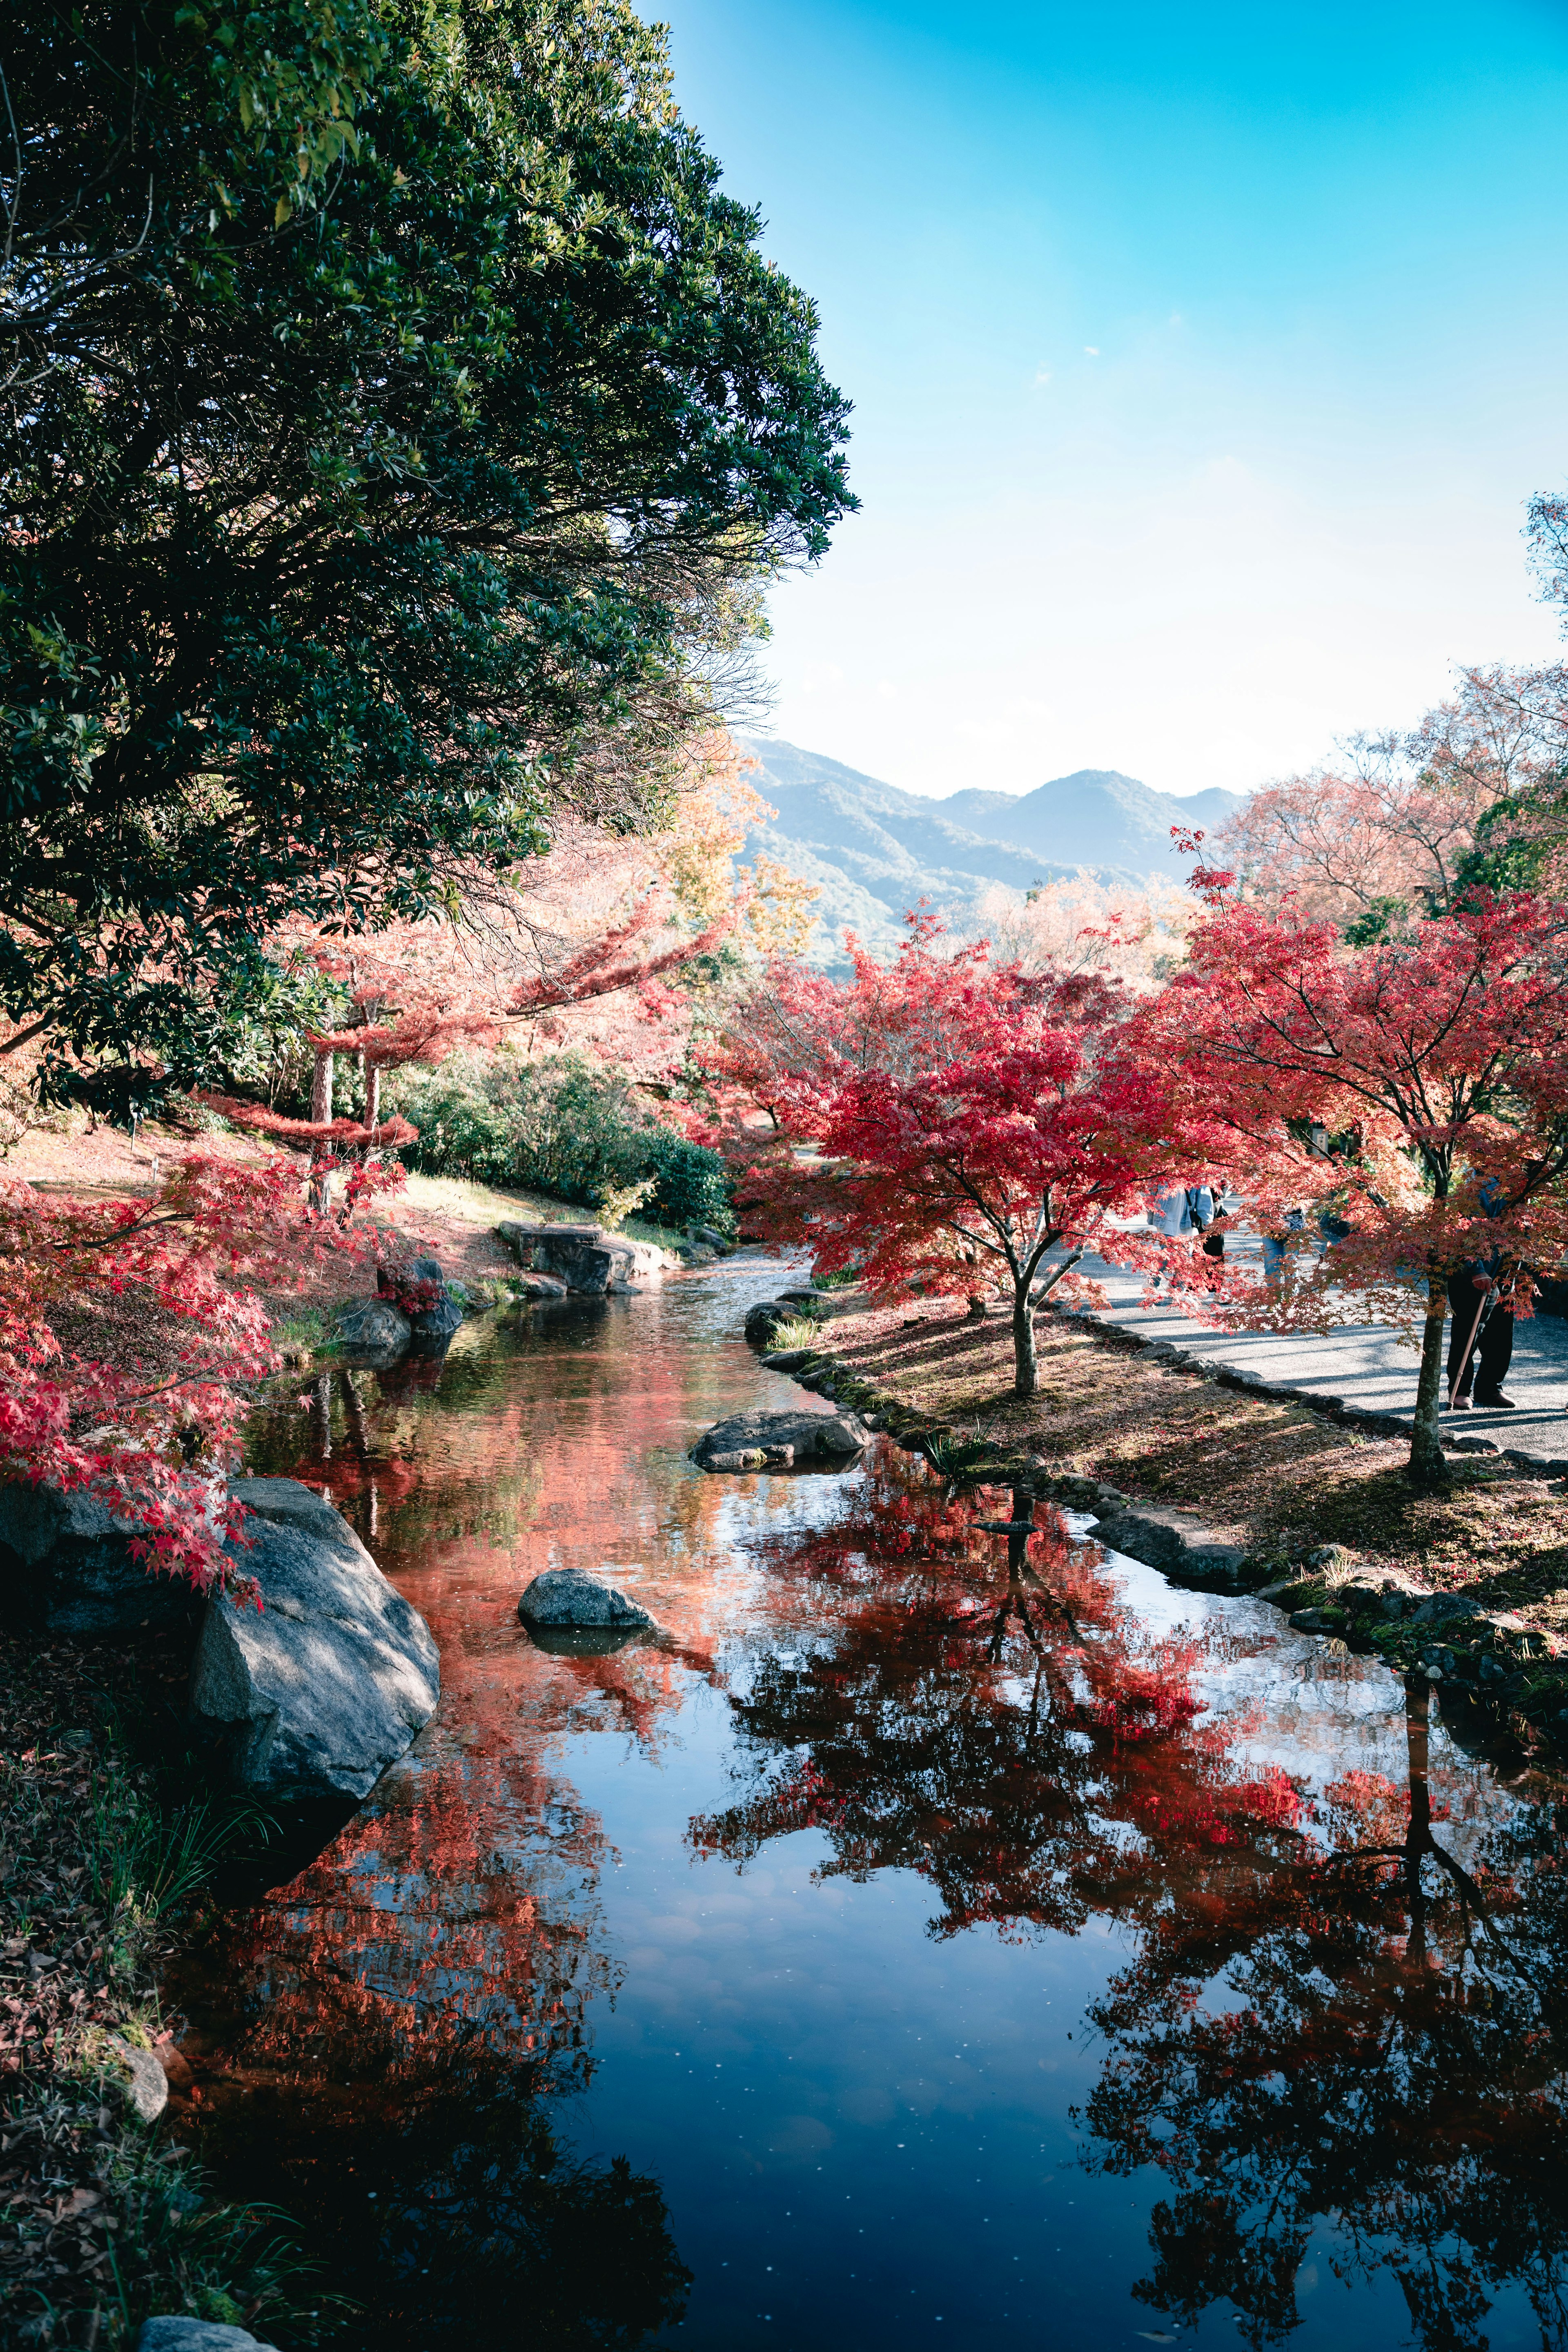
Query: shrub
[562,1127]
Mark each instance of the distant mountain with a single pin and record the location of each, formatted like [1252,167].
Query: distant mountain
[873,850]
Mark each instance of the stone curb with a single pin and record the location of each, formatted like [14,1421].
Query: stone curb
[1332,1408]
[1179,1545]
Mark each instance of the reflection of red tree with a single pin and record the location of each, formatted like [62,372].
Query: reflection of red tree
[1389,2056]
[1027,1778]
[455,1910]
[493,1466]
[405,2002]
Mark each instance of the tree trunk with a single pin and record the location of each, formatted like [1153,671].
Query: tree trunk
[1428,1467]
[372,1096]
[1025,1374]
[321,1116]
[1418,1834]
[321,1091]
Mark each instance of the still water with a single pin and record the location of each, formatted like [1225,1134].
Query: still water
[891,1954]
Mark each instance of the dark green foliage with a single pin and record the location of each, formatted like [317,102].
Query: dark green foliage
[402,425]
[1376,923]
[1516,840]
[566,1127]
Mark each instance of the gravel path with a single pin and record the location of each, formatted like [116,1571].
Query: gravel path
[1366,1367]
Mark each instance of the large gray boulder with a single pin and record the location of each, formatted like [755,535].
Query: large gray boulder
[319,1691]
[66,1567]
[375,1328]
[588,1259]
[816,1441]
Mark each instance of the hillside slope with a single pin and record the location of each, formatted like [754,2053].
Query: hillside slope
[873,850]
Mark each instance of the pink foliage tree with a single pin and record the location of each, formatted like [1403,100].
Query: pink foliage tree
[1441,1058]
[143,1412]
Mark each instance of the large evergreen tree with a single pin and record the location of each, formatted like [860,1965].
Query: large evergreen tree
[400,424]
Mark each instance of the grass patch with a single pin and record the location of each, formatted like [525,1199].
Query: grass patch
[305,1332]
[464,1201]
[794,1331]
[108,1856]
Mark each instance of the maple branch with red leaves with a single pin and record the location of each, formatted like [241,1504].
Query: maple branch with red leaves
[158,1453]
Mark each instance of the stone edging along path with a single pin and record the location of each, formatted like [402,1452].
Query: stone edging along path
[1500,1672]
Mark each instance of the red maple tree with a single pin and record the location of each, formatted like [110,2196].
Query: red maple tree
[127,1329]
[948,1124]
[1439,1059]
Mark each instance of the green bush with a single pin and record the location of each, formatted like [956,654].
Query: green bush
[564,1126]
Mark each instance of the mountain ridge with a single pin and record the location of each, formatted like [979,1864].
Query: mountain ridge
[873,849]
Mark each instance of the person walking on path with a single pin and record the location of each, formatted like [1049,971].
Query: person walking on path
[1478,1298]
[1275,1245]
[1171,1213]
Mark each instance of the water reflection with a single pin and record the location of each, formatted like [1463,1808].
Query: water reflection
[1348,2002]
[1388,2051]
[1012,1735]
[644,1928]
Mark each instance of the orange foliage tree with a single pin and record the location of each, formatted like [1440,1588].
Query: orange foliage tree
[1388,833]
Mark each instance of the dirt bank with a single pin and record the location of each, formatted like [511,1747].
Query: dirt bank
[1266,1485]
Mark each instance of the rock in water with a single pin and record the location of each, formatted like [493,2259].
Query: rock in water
[586,1258]
[442,1316]
[316,1694]
[819,1441]
[375,1327]
[574,1615]
[66,1567]
[437,1322]
[540,1286]
[565,1596]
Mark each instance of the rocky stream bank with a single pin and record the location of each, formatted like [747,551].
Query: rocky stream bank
[1225,1489]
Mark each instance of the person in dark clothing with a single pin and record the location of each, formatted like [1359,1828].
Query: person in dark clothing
[1483,1325]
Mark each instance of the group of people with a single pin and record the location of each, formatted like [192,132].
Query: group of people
[1198,1208]
[1480,1293]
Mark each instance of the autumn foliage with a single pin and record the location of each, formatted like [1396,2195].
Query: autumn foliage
[1421,1082]
[947,1124]
[128,1329]
[1388,831]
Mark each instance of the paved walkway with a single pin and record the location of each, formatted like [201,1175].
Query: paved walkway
[1365,1366]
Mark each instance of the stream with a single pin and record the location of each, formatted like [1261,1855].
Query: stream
[893,1953]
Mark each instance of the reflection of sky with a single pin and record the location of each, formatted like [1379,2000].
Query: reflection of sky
[1312,1712]
[847,2115]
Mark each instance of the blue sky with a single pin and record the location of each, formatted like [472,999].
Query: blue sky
[1203,361]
